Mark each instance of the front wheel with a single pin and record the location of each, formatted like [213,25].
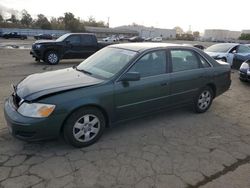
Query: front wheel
[52,57]
[203,100]
[84,127]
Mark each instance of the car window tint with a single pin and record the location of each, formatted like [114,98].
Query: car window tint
[183,60]
[243,49]
[153,63]
[74,39]
[87,39]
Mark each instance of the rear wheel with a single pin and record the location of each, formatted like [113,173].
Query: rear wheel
[203,100]
[84,127]
[52,57]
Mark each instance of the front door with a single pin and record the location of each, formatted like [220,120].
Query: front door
[151,92]
[73,48]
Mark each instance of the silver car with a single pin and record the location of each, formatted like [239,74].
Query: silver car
[228,52]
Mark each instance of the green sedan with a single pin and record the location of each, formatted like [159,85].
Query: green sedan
[118,83]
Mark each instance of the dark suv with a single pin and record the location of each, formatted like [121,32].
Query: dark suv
[68,46]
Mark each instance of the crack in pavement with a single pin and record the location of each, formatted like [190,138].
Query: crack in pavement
[219,174]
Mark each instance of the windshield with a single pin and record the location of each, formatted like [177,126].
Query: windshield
[107,62]
[221,48]
[61,38]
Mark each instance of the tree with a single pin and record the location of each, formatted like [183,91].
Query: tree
[244,36]
[42,22]
[26,18]
[57,23]
[196,34]
[71,23]
[1,18]
[13,19]
[179,30]
[92,22]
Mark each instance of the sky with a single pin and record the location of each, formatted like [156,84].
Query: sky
[195,14]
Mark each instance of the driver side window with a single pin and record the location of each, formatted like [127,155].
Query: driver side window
[151,64]
[74,39]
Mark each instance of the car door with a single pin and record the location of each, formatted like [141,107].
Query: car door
[73,47]
[149,93]
[186,76]
[88,46]
[242,54]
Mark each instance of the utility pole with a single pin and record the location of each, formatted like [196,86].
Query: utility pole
[108,22]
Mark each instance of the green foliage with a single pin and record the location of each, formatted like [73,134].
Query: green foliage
[244,36]
[42,22]
[67,22]
[185,36]
[1,18]
[92,22]
[26,19]
[71,23]
[13,19]
[196,34]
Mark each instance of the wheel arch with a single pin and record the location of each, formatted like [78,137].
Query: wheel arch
[101,109]
[213,87]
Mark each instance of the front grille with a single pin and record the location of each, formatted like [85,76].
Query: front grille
[16,100]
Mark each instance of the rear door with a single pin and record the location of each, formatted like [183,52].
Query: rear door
[151,92]
[186,76]
[88,45]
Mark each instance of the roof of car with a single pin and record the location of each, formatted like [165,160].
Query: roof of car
[141,46]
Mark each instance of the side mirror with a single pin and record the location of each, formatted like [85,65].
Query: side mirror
[130,76]
[234,52]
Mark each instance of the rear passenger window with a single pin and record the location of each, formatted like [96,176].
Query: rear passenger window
[183,60]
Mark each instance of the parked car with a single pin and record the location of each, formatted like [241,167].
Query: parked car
[43,36]
[68,46]
[111,39]
[117,83]
[136,39]
[148,39]
[196,46]
[233,53]
[14,35]
[157,39]
[244,72]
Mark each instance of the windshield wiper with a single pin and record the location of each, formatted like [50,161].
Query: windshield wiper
[82,70]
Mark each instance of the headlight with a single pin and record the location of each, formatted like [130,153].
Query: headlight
[244,66]
[38,46]
[36,110]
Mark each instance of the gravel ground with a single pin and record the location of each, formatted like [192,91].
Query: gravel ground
[174,149]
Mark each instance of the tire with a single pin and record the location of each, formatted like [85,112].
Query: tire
[52,58]
[84,127]
[203,100]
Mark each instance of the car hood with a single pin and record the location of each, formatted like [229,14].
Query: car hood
[41,84]
[215,54]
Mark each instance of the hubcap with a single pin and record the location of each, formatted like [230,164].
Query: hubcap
[52,58]
[86,128]
[204,100]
